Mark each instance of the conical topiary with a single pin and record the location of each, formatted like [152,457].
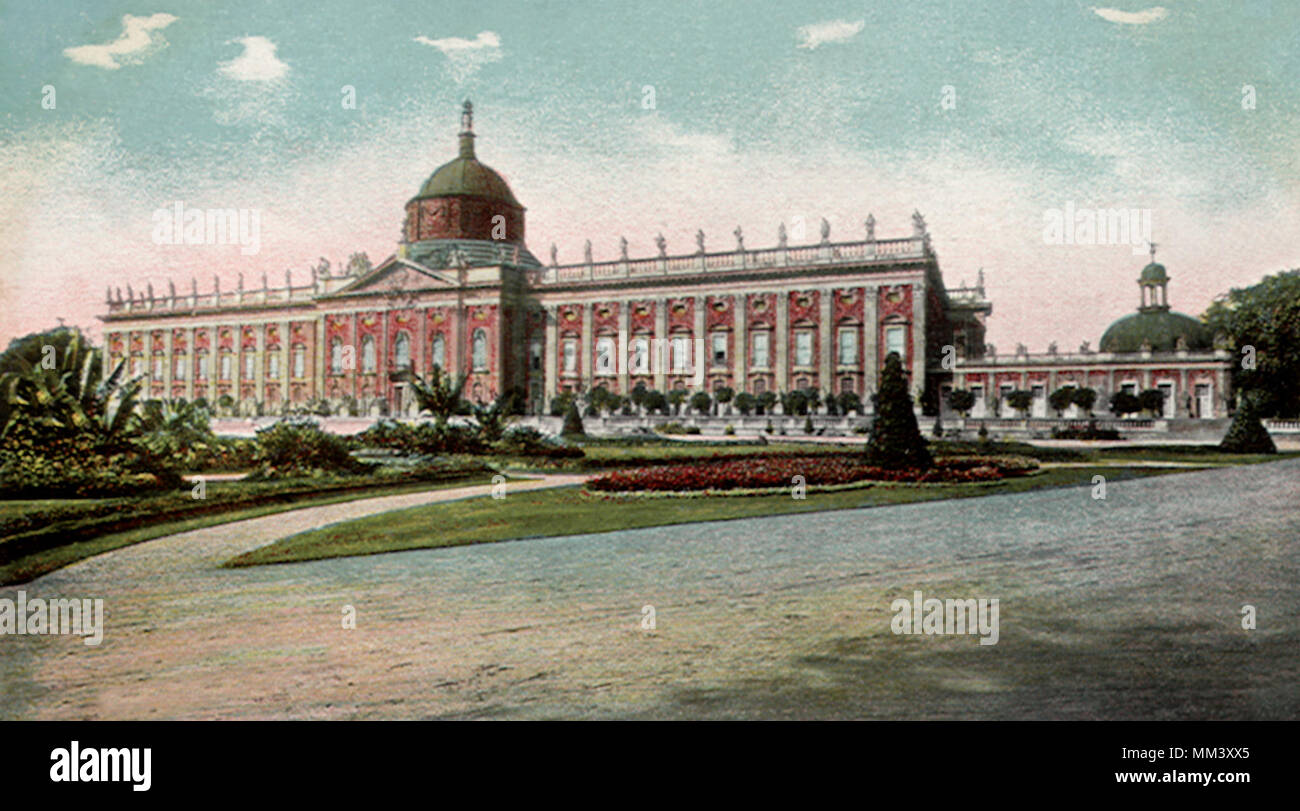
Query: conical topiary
[572,422]
[896,440]
[1247,434]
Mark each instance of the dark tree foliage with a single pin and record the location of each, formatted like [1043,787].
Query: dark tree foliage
[1262,325]
[896,440]
[572,422]
[961,401]
[1121,403]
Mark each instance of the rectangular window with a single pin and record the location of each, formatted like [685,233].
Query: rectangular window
[570,355]
[681,362]
[605,356]
[158,366]
[535,356]
[719,349]
[759,354]
[894,341]
[803,348]
[250,366]
[180,368]
[203,366]
[225,366]
[273,364]
[848,346]
[299,362]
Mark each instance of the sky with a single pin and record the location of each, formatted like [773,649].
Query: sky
[614,119]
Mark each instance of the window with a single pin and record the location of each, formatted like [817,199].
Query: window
[179,366]
[226,362]
[803,348]
[894,340]
[158,363]
[336,356]
[760,349]
[605,356]
[299,362]
[273,364]
[135,365]
[535,356]
[478,350]
[846,386]
[203,366]
[250,365]
[640,356]
[438,353]
[848,346]
[402,351]
[681,360]
[719,349]
[368,355]
[760,386]
[570,355]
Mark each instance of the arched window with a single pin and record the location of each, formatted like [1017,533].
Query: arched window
[402,351]
[336,356]
[438,353]
[368,354]
[478,349]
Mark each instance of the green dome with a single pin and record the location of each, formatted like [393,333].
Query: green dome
[1153,273]
[1161,328]
[466,176]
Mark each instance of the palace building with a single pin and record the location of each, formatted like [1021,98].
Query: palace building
[464,293]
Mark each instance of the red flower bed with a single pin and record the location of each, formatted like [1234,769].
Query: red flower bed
[779,471]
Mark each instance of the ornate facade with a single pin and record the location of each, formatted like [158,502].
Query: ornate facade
[463,292]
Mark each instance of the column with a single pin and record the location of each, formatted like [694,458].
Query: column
[920,353]
[286,362]
[588,362]
[214,364]
[549,356]
[168,364]
[1180,399]
[826,341]
[624,346]
[697,334]
[454,349]
[781,339]
[191,363]
[870,354]
[659,355]
[259,364]
[740,317]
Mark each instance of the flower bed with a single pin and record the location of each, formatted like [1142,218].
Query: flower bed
[779,472]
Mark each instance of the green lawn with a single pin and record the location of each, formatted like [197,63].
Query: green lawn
[572,511]
[26,567]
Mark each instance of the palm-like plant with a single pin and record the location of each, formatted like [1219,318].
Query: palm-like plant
[440,394]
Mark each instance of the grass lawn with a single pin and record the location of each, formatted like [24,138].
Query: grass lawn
[572,511]
[26,567]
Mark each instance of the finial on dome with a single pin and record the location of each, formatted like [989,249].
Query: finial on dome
[1152,246]
[467,130]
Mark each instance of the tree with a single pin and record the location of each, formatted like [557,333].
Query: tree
[745,403]
[1262,326]
[795,402]
[766,401]
[1152,401]
[675,398]
[723,395]
[701,402]
[1020,400]
[832,404]
[637,395]
[654,400]
[850,402]
[961,401]
[492,418]
[28,352]
[1061,399]
[440,394]
[1085,399]
[1247,434]
[1121,403]
[895,441]
[572,422]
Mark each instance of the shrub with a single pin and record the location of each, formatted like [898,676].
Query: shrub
[1121,403]
[572,422]
[298,447]
[701,402]
[961,401]
[1247,434]
[896,440]
[1085,399]
[524,440]
[807,425]
[745,403]
[1020,400]
[850,402]
[730,430]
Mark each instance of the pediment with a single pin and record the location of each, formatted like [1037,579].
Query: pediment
[397,275]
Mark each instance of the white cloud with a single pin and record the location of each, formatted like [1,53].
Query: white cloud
[466,56]
[1143,17]
[811,36]
[258,62]
[138,38]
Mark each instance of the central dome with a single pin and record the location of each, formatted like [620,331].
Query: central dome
[466,176]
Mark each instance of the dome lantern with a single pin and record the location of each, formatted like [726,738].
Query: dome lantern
[1154,325]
